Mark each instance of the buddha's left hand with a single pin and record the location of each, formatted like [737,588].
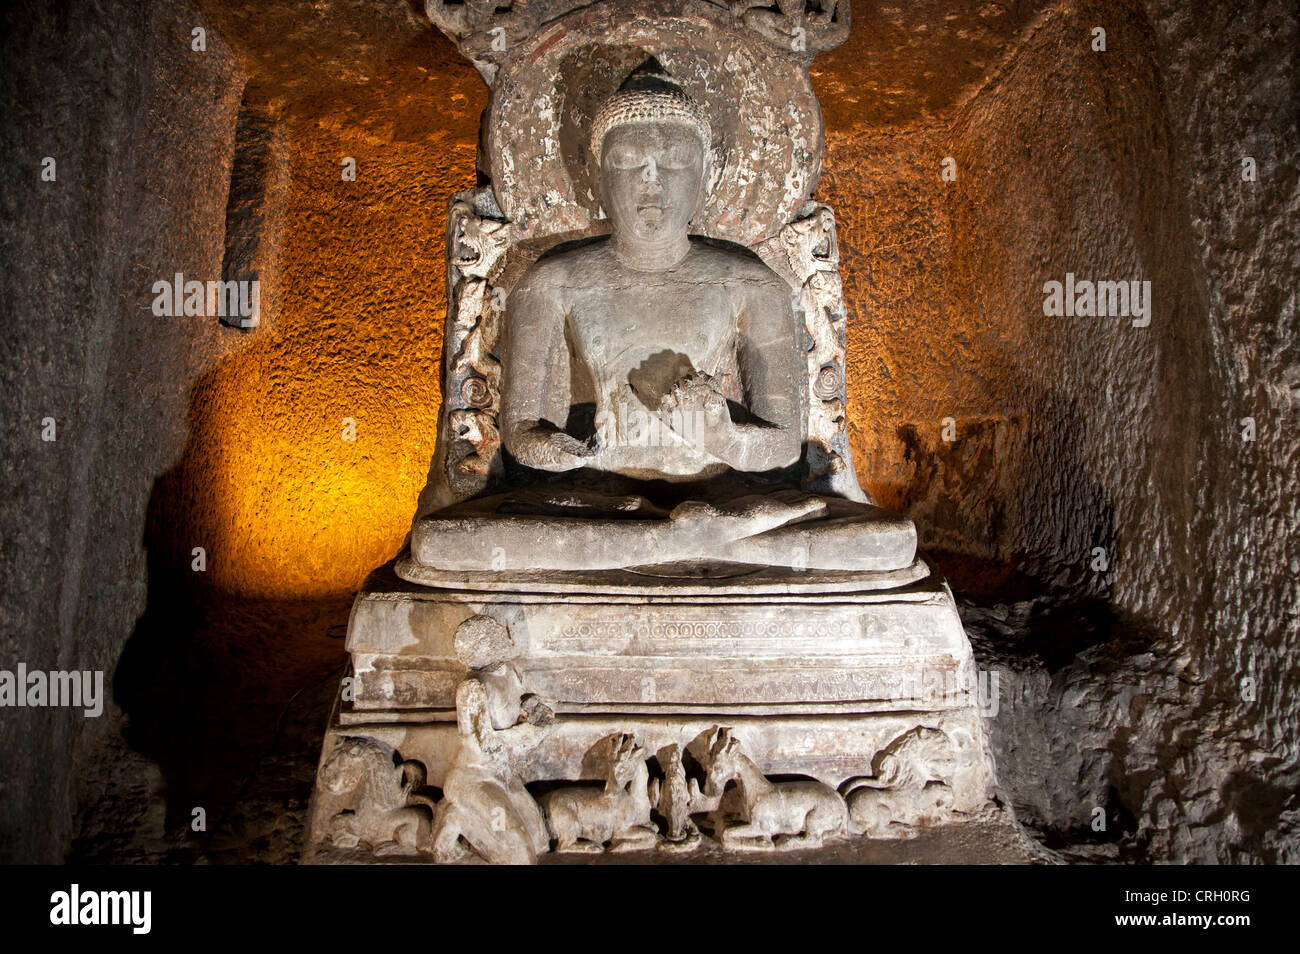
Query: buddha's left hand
[695,396]
[698,412]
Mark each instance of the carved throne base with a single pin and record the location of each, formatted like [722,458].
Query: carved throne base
[868,690]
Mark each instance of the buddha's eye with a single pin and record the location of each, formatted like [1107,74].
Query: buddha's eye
[623,157]
[679,155]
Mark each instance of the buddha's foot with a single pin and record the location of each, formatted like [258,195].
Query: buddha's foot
[752,515]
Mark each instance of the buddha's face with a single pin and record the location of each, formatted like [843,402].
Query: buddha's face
[652,177]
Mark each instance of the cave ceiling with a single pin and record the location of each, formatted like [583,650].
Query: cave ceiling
[904,65]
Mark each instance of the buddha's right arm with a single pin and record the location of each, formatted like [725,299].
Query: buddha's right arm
[546,448]
[535,378]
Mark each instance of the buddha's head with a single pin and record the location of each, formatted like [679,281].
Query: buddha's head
[651,143]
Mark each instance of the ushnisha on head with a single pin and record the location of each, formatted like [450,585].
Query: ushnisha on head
[651,143]
[649,95]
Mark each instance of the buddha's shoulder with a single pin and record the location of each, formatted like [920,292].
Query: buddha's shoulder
[594,263]
[574,267]
[732,263]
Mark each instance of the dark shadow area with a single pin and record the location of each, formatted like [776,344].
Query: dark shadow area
[228,694]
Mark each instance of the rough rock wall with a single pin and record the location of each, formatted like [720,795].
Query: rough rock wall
[300,502]
[1230,74]
[1122,688]
[306,452]
[141,129]
[1180,721]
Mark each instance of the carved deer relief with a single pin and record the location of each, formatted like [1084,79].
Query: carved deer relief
[795,814]
[582,818]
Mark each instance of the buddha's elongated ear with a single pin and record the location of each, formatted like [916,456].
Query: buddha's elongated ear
[701,198]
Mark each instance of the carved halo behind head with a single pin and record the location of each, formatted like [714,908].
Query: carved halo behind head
[757,104]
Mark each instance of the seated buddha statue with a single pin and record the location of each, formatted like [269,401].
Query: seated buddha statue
[653,395]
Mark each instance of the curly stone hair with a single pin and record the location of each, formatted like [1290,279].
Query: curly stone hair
[649,94]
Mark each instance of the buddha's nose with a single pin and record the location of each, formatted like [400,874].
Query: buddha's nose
[650,171]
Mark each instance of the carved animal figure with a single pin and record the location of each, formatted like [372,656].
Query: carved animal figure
[908,788]
[383,809]
[582,818]
[796,814]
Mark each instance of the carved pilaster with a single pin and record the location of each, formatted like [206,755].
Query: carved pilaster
[476,244]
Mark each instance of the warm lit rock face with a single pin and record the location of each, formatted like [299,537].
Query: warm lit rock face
[357,339]
[1121,689]
[1075,433]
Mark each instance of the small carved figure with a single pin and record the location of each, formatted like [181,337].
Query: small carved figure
[583,818]
[485,805]
[384,809]
[796,814]
[676,798]
[908,788]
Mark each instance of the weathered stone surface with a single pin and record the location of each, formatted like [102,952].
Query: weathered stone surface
[489,33]
[556,687]
[766,132]
[1075,418]
[255,210]
[684,355]
[725,649]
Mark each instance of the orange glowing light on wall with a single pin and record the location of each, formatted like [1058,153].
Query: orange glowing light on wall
[292,508]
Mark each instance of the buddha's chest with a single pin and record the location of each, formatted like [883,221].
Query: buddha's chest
[615,330]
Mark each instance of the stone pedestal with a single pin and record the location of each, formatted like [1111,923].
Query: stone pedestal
[816,675]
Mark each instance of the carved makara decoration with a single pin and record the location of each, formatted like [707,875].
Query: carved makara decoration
[910,786]
[381,804]
[813,253]
[476,244]
[796,24]
[487,30]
